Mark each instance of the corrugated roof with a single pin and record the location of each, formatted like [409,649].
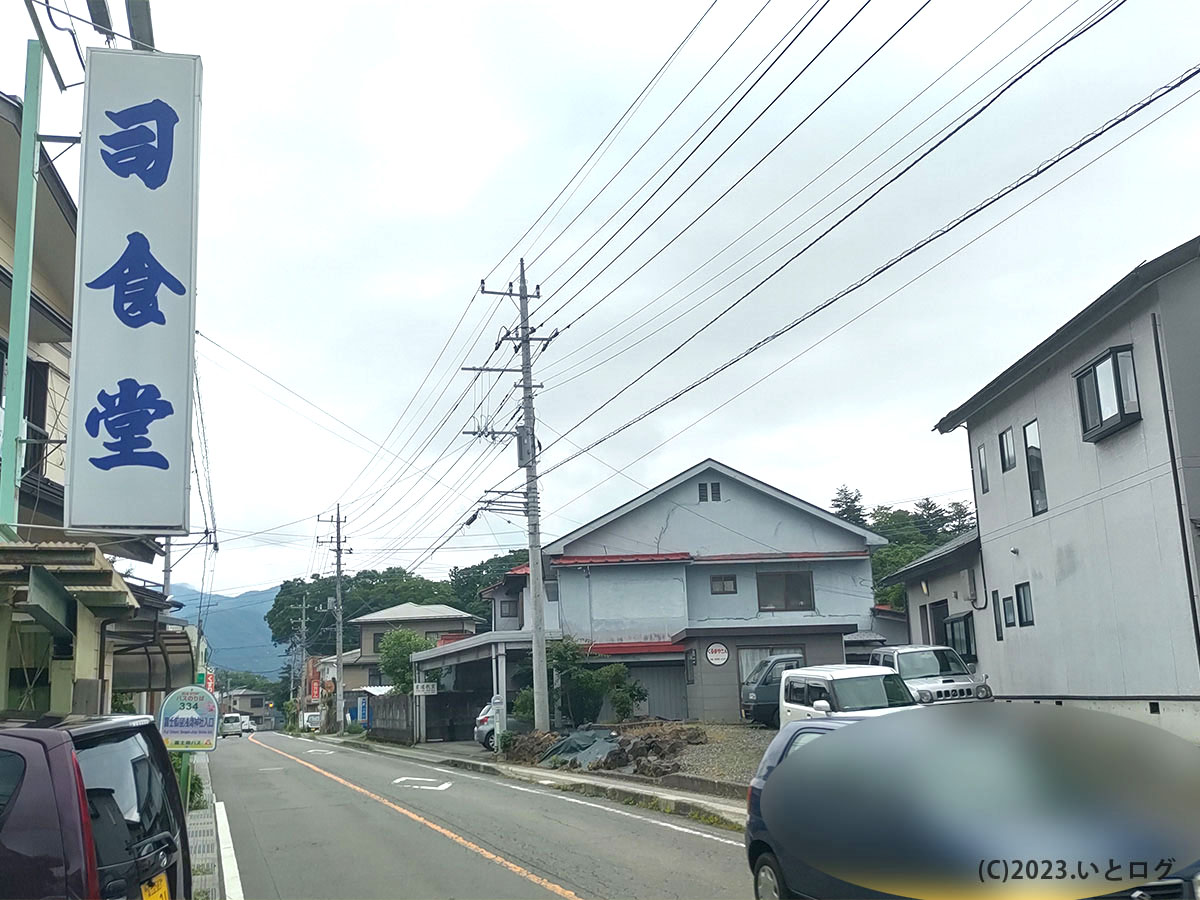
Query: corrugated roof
[620,558]
[934,559]
[413,611]
[522,569]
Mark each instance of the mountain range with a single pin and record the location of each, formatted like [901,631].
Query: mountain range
[238,636]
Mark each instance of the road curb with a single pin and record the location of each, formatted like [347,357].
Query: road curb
[621,794]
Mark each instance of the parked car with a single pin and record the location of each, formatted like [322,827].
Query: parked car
[760,688]
[485,727]
[312,721]
[231,723]
[89,807]
[248,726]
[934,674]
[841,690]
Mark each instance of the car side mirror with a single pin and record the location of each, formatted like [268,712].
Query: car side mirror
[971,668]
[822,706]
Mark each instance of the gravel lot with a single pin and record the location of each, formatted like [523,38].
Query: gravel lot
[731,754]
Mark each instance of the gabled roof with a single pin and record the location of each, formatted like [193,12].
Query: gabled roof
[951,553]
[557,547]
[413,612]
[1091,315]
[349,657]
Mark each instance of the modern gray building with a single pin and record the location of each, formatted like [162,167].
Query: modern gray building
[1085,456]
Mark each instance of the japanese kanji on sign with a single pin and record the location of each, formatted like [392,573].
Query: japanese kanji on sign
[129,444]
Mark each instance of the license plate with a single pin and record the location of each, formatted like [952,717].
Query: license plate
[156,888]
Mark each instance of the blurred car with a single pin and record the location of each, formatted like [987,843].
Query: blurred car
[934,674]
[89,808]
[841,690]
[231,723]
[248,726]
[760,688]
[312,721]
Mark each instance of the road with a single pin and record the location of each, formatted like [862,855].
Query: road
[314,820]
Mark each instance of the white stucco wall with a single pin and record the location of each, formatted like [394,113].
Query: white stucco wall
[622,603]
[1105,562]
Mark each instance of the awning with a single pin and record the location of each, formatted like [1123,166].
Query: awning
[143,661]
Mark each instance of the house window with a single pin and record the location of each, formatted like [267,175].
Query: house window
[256,702]
[723,584]
[1108,398]
[1037,475]
[1010,613]
[434,635]
[996,615]
[703,491]
[960,634]
[374,676]
[508,609]
[1024,604]
[1008,450]
[376,641]
[782,591]
[983,476]
[714,491]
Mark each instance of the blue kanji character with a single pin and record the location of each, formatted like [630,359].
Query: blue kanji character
[126,416]
[1113,867]
[135,279]
[138,149]
[1164,867]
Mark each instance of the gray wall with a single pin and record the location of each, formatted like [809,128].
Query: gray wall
[622,603]
[1105,564]
[715,694]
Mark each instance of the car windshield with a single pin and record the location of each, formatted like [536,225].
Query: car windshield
[756,672]
[871,692]
[930,663]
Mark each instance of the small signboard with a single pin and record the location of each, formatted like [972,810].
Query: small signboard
[188,719]
[362,711]
[424,688]
[210,681]
[315,694]
[717,653]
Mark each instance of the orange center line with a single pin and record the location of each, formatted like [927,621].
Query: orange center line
[558,889]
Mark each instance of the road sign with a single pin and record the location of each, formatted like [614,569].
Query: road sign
[188,719]
[362,711]
[424,688]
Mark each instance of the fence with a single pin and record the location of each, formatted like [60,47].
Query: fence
[392,718]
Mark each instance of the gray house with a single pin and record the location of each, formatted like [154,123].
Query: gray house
[690,585]
[1086,467]
[433,621]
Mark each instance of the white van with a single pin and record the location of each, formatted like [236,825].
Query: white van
[231,723]
[841,691]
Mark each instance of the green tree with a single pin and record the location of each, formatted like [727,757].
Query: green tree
[960,518]
[395,652]
[467,581]
[848,505]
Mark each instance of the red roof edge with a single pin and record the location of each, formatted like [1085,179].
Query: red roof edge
[621,648]
[522,569]
[620,558]
[807,554]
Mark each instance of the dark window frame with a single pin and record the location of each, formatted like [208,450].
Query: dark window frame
[374,676]
[981,456]
[728,584]
[966,648]
[376,640]
[1024,605]
[1031,468]
[703,491]
[506,605]
[1010,613]
[997,614]
[787,607]
[1008,454]
[714,491]
[1087,388]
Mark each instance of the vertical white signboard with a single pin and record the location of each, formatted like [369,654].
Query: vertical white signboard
[129,444]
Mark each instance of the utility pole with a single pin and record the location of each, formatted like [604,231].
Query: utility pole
[303,655]
[527,450]
[167,573]
[338,550]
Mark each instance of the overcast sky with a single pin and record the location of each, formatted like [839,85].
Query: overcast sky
[362,170]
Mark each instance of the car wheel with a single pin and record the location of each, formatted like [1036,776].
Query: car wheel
[773,721]
[490,741]
[768,879]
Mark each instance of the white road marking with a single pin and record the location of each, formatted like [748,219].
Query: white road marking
[629,815]
[318,750]
[411,778]
[430,787]
[230,875]
[272,769]
[547,782]
[306,740]
[288,736]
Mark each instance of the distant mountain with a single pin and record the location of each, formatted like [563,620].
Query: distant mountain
[236,631]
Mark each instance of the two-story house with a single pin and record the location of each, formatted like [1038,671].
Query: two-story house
[246,702]
[690,585]
[433,621]
[1085,456]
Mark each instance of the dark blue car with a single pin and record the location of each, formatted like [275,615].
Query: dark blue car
[778,873]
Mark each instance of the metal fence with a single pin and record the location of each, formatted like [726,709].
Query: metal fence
[392,718]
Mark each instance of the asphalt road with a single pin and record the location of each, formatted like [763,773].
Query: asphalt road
[313,820]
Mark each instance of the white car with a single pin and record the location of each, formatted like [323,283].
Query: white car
[231,723]
[934,674]
[841,691]
[248,726]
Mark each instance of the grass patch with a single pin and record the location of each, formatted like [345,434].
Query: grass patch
[713,820]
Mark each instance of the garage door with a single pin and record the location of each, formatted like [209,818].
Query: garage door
[666,688]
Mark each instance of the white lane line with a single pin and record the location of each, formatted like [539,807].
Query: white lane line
[230,876]
[282,735]
[629,815]
[272,769]
[306,740]
[318,750]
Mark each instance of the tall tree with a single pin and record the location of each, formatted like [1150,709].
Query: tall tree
[848,504]
[395,657]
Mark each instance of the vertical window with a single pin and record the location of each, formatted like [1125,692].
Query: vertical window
[925,623]
[1024,604]
[1008,450]
[1037,474]
[996,615]
[1108,397]
[508,609]
[960,634]
[723,584]
[376,641]
[981,450]
[1010,613]
[703,491]
[714,491]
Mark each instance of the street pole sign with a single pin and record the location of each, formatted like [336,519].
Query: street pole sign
[129,438]
[424,688]
[188,719]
